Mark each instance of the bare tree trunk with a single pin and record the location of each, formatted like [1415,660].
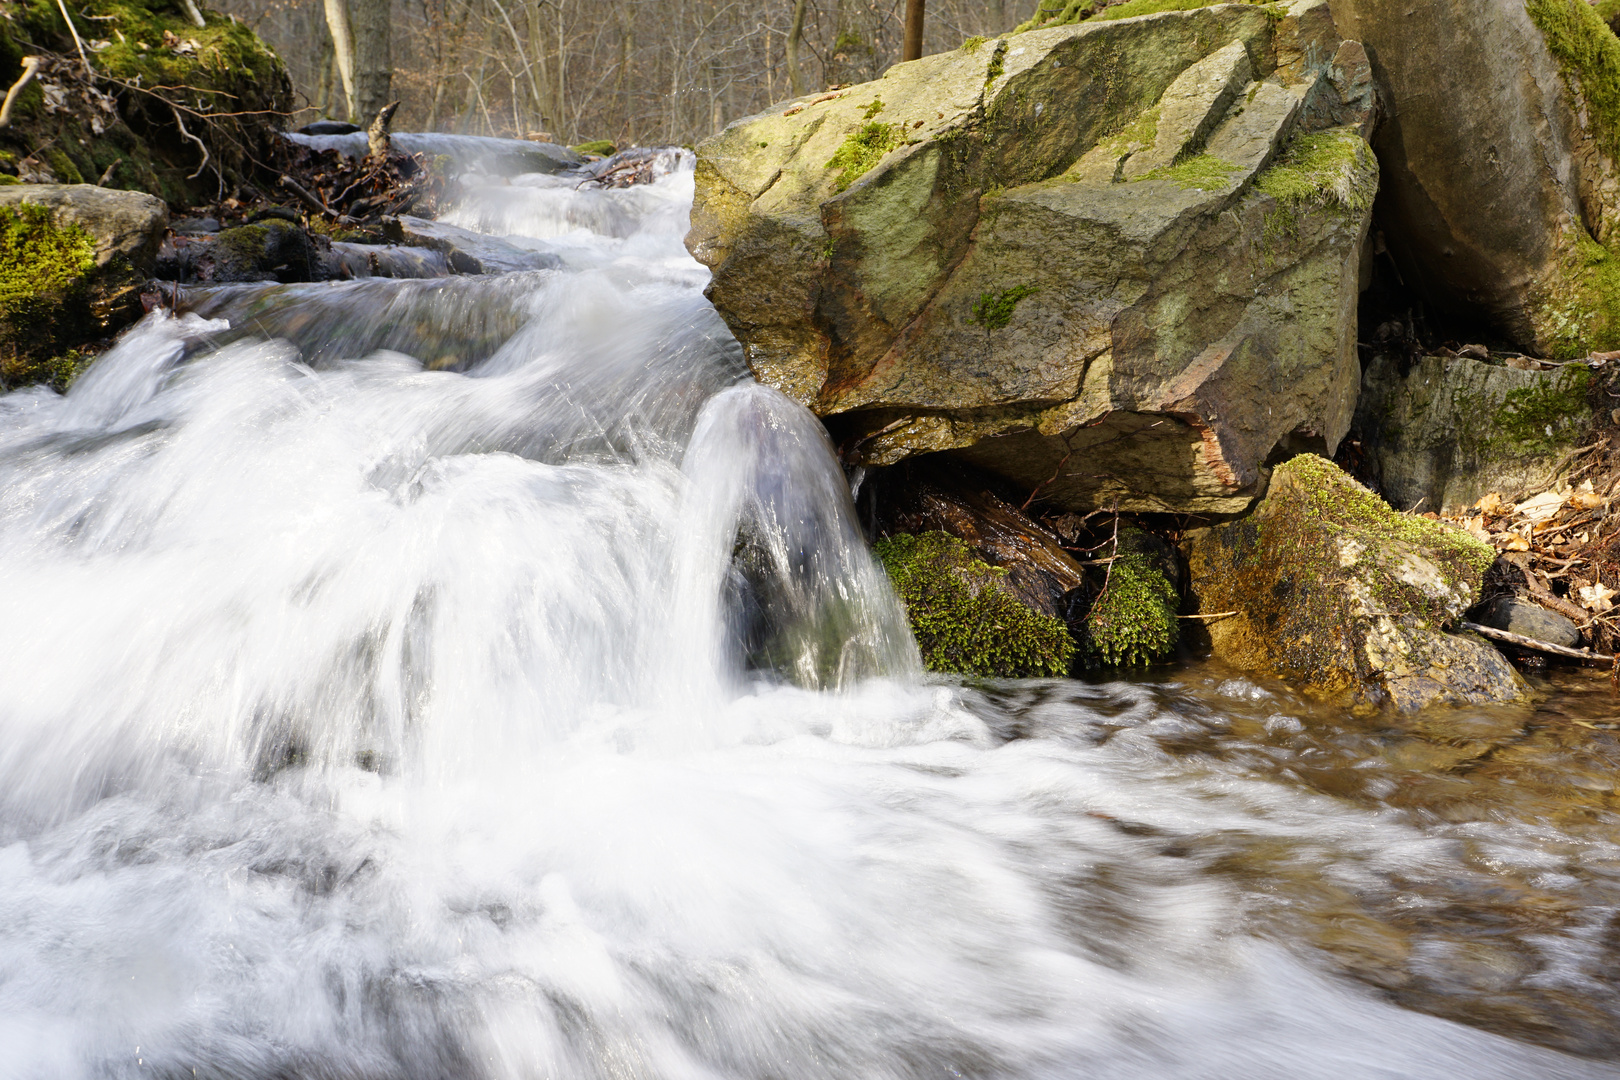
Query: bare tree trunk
[337,21]
[373,58]
[915,11]
[326,81]
[794,39]
[997,15]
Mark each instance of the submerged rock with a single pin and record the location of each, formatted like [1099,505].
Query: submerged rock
[1443,431]
[270,249]
[1119,259]
[1502,161]
[71,261]
[1326,584]
[965,614]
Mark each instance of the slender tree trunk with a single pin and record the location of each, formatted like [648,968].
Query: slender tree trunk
[794,39]
[337,21]
[327,79]
[997,15]
[915,11]
[373,58]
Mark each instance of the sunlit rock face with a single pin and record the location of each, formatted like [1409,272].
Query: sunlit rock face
[1119,258]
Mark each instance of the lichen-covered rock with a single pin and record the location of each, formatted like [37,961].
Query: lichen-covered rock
[71,262]
[965,616]
[1118,259]
[1451,429]
[1502,195]
[1330,586]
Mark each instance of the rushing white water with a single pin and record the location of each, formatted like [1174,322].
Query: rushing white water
[546,717]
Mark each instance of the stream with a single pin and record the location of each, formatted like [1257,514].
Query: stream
[380,698]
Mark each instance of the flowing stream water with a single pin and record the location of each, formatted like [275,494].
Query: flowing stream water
[483,677]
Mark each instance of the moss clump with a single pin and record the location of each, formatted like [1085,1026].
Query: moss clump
[1139,133]
[1323,168]
[45,279]
[972,44]
[1201,172]
[963,617]
[1064,12]
[599,147]
[1332,498]
[873,107]
[997,65]
[994,310]
[1133,621]
[862,150]
[1577,34]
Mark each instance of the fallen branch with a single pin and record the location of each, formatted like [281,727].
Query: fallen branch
[1533,643]
[107,176]
[30,65]
[306,198]
[74,30]
[200,144]
[1216,615]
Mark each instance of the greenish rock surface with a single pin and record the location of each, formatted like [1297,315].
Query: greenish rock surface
[1326,584]
[1451,429]
[1502,196]
[965,615]
[1066,257]
[71,262]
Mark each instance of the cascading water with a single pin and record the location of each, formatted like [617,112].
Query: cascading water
[484,678]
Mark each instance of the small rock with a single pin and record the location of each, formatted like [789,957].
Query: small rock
[1518,616]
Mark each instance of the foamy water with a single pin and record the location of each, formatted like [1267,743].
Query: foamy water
[545,716]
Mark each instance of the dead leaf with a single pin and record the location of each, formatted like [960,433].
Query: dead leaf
[1490,504]
[1511,542]
[1540,507]
[1597,597]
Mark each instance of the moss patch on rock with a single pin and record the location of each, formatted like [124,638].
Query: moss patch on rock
[1580,309]
[994,310]
[1579,36]
[964,618]
[1328,584]
[862,150]
[1066,12]
[45,279]
[1201,172]
[1324,168]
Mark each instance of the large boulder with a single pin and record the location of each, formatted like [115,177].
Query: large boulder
[1118,260]
[1439,432]
[1326,584]
[72,258]
[1501,195]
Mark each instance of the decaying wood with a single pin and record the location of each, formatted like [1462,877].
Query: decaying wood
[30,65]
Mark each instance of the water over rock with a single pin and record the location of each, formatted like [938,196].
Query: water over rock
[1118,259]
[1502,193]
[1325,584]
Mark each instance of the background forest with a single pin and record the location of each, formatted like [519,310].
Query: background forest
[630,71]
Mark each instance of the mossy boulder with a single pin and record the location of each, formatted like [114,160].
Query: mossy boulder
[1117,259]
[965,615]
[1326,584]
[1502,198]
[1442,431]
[71,262]
[153,70]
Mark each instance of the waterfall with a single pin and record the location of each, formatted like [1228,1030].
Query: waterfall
[485,677]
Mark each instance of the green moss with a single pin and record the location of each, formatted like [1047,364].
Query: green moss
[1580,311]
[600,147]
[7,178]
[62,166]
[1132,8]
[1201,172]
[1057,13]
[994,310]
[1578,35]
[997,65]
[964,619]
[1133,621]
[862,150]
[250,243]
[1323,168]
[1544,416]
[873,107]
[972,44]
[44,283]
[1609,12]
[1140,133]
[1332,498]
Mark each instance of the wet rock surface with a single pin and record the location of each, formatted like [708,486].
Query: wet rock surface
[1326,584]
